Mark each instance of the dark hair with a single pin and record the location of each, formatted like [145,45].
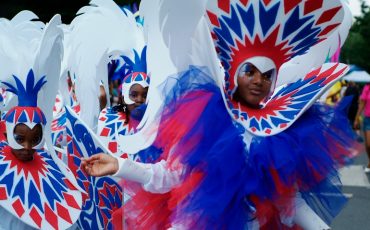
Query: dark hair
[122,107]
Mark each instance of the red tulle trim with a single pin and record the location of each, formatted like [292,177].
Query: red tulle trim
[178,121]
[179,194]
[154,211]
[269,216]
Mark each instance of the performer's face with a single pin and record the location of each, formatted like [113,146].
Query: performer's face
[253,86]
[28,138]
[138,95]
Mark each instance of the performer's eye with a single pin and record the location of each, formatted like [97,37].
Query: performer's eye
[249,73]
[267,77]
[133,95]
[18,138]
[36,140]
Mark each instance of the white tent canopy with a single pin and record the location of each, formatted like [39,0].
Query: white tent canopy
[357,76]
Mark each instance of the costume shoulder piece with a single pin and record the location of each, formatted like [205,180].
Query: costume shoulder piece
[104,194]
[276,32]
[41,192]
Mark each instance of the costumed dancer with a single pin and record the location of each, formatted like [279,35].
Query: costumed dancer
[112,32]
[208,180]
[124,118]
[267,45]
[37,190]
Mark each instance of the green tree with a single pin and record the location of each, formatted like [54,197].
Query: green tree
[356,49]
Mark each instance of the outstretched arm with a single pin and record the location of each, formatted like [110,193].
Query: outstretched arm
[155,178]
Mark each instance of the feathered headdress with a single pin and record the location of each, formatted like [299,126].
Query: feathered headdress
[30,58]
[269,34]
[101,32]
[137,75]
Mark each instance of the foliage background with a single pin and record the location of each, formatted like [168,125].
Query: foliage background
[356,49]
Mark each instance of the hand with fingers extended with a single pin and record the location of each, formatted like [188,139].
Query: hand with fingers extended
[100,164]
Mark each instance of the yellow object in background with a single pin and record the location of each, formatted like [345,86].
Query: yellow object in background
[335,93]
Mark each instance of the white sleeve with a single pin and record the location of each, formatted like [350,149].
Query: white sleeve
[155,178]
[306,218]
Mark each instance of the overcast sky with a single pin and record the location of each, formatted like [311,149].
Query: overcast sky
[355,6]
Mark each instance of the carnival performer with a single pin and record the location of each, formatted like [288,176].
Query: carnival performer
[104,39]
[216,172]
[37,189]
[124,118]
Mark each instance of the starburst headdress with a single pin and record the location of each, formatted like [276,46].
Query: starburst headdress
[269,34]
[137,75]
[36,57]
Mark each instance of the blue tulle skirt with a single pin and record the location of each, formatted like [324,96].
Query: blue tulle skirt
[226,186]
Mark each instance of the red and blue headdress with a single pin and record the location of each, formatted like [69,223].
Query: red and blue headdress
[137,75]
[268,34]
[27,111]
[45,194]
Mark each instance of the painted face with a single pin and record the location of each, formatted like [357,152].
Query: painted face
[138,95]
[28,139]
[253,86]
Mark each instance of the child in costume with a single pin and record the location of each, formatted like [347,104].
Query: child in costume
[123,118]
[37,190]
[209,180]
[99,37]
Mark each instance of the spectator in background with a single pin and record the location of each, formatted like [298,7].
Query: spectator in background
[354,91]
[364,106]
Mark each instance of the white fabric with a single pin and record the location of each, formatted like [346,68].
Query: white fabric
[306,218]
[155,178]
[133,171]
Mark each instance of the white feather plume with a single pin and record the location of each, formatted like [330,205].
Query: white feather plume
[26,45]
[175,30]
[101,32]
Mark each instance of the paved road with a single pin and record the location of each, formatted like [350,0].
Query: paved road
[356,215]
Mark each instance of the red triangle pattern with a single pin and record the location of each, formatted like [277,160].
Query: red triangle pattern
[328,29]
[312,5]
[36,217]
[213,18]
[3,195]
[18,207]
[290,4]
[224,5]
[244,2]
[71,201]
[267,2]
[50,216]
[63,213]
[325,74]
[328,15]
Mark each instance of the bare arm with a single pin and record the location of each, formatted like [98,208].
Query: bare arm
[360,109]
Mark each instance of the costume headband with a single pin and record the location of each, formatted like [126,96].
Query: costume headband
[137,75]
[268,33]
[27,111]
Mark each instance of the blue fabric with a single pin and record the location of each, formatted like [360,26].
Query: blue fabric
[308,155]
[366,124]
[219,201]
[305,157]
